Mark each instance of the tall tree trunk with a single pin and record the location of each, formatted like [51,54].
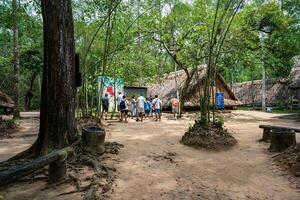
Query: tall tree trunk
[57,118]
[252,88]
[298,97]
[139,46]
[29,93]
[16,58]
[263,89]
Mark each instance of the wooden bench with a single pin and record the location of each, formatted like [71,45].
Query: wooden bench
[56,161]
[267,129]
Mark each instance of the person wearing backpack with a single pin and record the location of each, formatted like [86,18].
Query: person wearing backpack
[124,109]
[147,108]
[157,104]
[105,106]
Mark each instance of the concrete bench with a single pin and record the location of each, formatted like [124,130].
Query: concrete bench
[267,129]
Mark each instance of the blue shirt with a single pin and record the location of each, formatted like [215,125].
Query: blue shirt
[147,105]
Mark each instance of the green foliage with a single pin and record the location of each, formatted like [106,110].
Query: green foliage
[127,39]
[30,43]
[245,47]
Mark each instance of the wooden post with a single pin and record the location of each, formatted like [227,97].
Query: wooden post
[266,134]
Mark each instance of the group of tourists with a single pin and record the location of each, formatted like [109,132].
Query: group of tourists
[145,107]
[139,107]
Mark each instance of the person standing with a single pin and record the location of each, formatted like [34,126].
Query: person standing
[124,109]
[175,107]
[119,99]
[133,107]
[152,108]
[147,108]
[105,106]
[140,107]
[157,104]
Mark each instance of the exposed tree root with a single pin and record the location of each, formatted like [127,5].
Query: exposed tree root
[103,176]
[211,136]
[94,186]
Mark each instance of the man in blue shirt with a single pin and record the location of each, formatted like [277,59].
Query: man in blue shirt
[147,107]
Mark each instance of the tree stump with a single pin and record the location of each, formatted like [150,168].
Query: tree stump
[266,134]
[281,139]
[93,139]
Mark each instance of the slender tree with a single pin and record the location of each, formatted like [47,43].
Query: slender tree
[16,58]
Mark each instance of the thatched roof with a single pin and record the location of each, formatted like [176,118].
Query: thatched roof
[165,88]
[295,74]
[277,91]
[6,101]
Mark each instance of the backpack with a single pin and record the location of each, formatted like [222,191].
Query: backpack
[122,105]
[147,105]
[105,101]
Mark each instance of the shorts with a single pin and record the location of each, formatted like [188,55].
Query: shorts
[105,108]
[141,110]
[157,111]
[175,110]
[125,112]
[118,108]
[147,112]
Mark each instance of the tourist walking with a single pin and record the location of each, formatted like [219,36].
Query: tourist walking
[140,107]
[124,109]
[175,107]
[148,108]
[105,106]
[119,99]
[133,107]
[157,104]
[152,108]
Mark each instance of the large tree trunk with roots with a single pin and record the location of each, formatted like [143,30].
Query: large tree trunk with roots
[57,113]
[16,111]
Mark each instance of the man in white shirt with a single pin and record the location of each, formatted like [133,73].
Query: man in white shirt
[157,104]
[141,107]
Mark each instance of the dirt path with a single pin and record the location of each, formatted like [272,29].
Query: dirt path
[22,138]
[154,165]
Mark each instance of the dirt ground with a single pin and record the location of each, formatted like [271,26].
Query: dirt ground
[154,165]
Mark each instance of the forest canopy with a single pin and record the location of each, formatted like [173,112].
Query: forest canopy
[140,41]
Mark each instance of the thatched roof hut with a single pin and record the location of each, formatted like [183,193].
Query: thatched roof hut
[277,92]
[6,101]
[165,88]
[294,76]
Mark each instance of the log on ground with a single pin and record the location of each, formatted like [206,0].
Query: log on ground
[21,170]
